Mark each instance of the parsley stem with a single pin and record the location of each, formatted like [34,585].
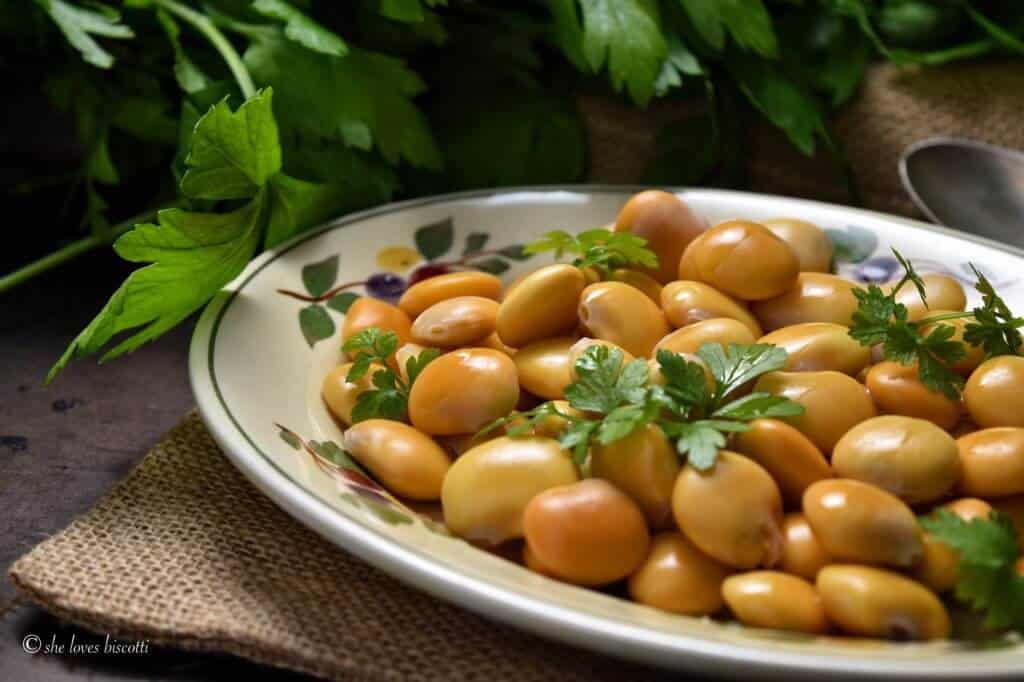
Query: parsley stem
[72,250]
[202,23]
[940,318]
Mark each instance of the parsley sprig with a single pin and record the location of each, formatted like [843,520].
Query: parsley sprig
[988,551]
[704,418]
[600,249]
[617,399]
[881,320]
[389,397]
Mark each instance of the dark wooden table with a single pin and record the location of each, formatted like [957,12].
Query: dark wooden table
[63,446]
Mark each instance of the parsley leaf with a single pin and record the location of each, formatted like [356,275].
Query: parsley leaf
[600,248]
[759,405]
[994,327]
[602,382]
[685,381]
[301,29]
[736,366]
[988,551]
[701,440]
[880,320]
[625,34]
[747,21]
[389,397]
[79,25]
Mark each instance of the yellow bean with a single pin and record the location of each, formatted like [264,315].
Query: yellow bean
[771,599]
[818,347]
[742,259]
[487,488]
[340,395]
[992,462]
[679,578]
[911,458]
[720,330]
[802,554]
[944,293]
[617,312]
[543,366]
[815,297]
[644,465]
[463,391]
[406,461]
[427,292]
[812,246]
[733,512]
[542,305]
[666,222]
[898,389]
[869,602]
[994,393]
[856,521]
[785,453]
[686,303]
[454,322]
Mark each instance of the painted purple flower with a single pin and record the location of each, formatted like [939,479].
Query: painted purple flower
[877,270]
[385,285]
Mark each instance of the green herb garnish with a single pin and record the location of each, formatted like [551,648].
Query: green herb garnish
[988,551]
[619,399]
[994,328]
[389,397]
[601,249]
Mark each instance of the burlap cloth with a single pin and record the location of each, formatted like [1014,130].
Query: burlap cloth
[185,552]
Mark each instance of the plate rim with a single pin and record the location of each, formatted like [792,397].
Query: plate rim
[478,595]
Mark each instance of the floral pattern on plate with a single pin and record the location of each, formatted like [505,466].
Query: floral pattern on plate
[433,242]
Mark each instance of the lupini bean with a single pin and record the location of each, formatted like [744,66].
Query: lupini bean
[487,488]
[833,403]
[856,521]
[733,512]
[427,292]
[818,347]
[939,568]
[463,391]
[911,458]
[815,297]
[619,313]
[587,533]
[720,330]
[666,222]
[809,242]
[644,465]
[785,453]
[369,312]
[742,259]
[340,395]
[870,602]
[994,394]
[802,554]
[679,578]
[898,389]
[944,293]
[772,599]
[454,322]
[687,302]
[542,305]
[992,462]
[405,460]
[543,366]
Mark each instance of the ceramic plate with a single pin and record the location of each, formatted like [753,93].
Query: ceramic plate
[263,346]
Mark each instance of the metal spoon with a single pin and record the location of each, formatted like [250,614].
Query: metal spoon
[967,185]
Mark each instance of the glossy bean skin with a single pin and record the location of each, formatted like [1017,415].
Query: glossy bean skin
[406,461]
[686,302]
[733,512]
[644,465]
[855,521]
[341,395]
[586,533]
[619,313]
[543,304]
[581,345]
[368,312]
[772,599]
[809,242]
[678,578]
[992,462]
[641,281]
[871,602]
[454,322]
[406,352]
[742,259]
[494,342]
[944,293]
[666,222]
[463,391]
[553,425]
[819,347]
[720,330]
[898,389]
[994,394]
[913,459]
[815,297]
[432,290]
[939,568]
[802,554]
[785,453]
[974,356]
[487,489]
[833,403]
[543,366]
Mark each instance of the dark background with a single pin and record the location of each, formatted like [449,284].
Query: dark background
[63,446]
